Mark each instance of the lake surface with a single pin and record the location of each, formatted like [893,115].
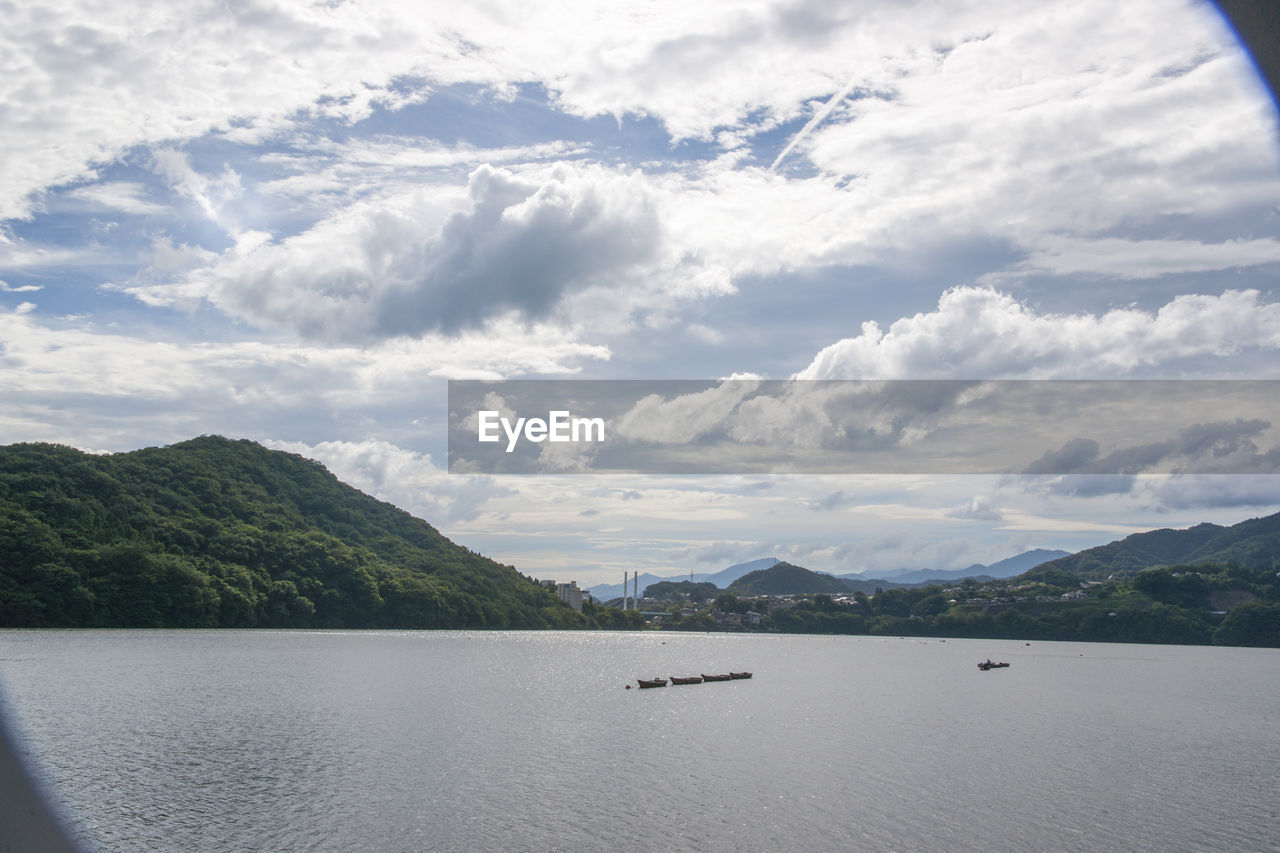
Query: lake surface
[283,740]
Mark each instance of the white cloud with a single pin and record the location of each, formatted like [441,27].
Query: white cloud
[1198,492]
[683,419]
[45,362]
[406,478]
[1220,447]
[124,196]
[22,288]
[568,458]
[211,195]
[85,84]
[19,254]
[1136,259]
[1066,118]
[962,120]
[981,333]
[169,259]
[439,261]
[363,166]
[979,508]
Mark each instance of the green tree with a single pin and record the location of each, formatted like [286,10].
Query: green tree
[1252,624]
[931,605]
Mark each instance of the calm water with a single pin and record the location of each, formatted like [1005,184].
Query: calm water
[279,740]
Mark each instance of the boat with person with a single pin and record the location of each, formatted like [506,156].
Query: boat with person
[990,664]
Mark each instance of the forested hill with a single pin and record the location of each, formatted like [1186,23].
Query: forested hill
[1255,542]
[219,533]
[786,579]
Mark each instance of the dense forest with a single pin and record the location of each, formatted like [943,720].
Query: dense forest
[219,533]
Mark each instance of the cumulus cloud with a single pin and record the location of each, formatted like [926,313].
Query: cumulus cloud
[980,332]
[978,509]
[752,422]
[406,478]
[1088,485]
[1162,493]
[1225,447]
[684,418]
[1205,464]
[1211,491]
[421,263]
[1072,456]
[568,458]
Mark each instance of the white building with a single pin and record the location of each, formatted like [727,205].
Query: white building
[566,592]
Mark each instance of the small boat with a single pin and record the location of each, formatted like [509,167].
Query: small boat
[694,679]
[990,664]
[652,682]
[737,675]
[724,677]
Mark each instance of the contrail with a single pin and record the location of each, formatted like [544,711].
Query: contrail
[815,121]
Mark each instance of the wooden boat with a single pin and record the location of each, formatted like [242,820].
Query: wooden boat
[724,677]
[738,675]
[694,679]
[990,664]
[651,682]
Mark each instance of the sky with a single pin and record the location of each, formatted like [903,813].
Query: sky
[295,222]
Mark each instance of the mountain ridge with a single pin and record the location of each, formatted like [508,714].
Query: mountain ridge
[215,532]
[787,579]
[1254,541]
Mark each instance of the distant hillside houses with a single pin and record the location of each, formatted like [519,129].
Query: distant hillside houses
[736,621]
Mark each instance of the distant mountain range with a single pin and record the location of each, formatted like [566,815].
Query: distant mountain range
[722,578]
[1255,542]
[730,577]
[1006,568]
[1252,543]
